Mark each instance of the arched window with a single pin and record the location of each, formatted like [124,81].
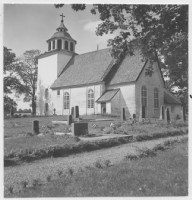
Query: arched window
[46,93]
[90,99]
[71,46]
[144,96]
[66,100]
[53,44]
[66,45]
[49,47]
[59,44]
[156,98]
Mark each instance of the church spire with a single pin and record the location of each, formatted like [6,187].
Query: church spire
[62,27]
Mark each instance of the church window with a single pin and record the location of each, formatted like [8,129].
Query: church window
[58,92]
[66,45]
[90,99]
[46,93]
[71,46]
[49,48]
[144,96]
[53,44]
[59,44]
[66,100]
[156,98]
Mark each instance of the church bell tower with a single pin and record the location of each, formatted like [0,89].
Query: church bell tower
[61,48]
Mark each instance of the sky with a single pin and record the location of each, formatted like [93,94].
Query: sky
[28,26]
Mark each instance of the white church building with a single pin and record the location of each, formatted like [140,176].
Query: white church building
[94,83]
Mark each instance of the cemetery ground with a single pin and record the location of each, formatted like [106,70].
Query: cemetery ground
[23,151]
[149,168]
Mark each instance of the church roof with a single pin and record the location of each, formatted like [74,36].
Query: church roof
[97,66]
[170,99]
[108,95]
[86,68]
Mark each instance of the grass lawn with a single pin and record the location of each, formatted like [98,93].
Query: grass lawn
[17,137]
[25,126]
[163,175]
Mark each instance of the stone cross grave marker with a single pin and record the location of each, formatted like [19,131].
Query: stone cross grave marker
[35,127]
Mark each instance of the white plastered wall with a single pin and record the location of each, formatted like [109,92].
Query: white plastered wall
[78,97]
[155,81]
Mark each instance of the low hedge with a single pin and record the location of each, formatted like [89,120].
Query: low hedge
[82,146]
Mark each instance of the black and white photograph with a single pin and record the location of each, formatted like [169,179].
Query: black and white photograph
[95,99]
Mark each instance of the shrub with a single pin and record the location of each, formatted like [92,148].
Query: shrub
[59,172]
[25,115]
[24,184]
[131,157]
[145,152]
[98,164]
[35,183]
[71,171]
[107,163]
[48,178]
[10,189]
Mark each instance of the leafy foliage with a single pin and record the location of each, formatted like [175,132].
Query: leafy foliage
[27,71]
[11,81]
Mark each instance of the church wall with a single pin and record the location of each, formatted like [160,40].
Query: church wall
[47,74]
[108,107]
[174,110]
[116,104]
[127,98]
[78,97]
[62,61]
[155,81]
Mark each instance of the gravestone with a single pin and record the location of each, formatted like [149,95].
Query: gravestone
[123,114]
[162,116]
[79,129]
[168,116]
[69,120]
[54,111]
[72,111]
[76,112]
[35,127]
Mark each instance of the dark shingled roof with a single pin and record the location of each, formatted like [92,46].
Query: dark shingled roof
[169,99]
[128,70]
[108,95]
[86,68]
[97,66]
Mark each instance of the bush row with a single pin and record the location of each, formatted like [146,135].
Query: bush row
[68,149]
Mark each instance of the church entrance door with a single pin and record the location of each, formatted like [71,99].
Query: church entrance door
[103,107]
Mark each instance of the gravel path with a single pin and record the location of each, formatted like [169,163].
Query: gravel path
[42,168]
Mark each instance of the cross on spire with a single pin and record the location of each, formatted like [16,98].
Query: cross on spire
[62,17]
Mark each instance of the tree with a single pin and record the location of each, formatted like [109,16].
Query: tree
[27,72]
[11,81]
[159,31]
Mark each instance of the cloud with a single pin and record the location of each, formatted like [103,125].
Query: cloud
[91,26]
